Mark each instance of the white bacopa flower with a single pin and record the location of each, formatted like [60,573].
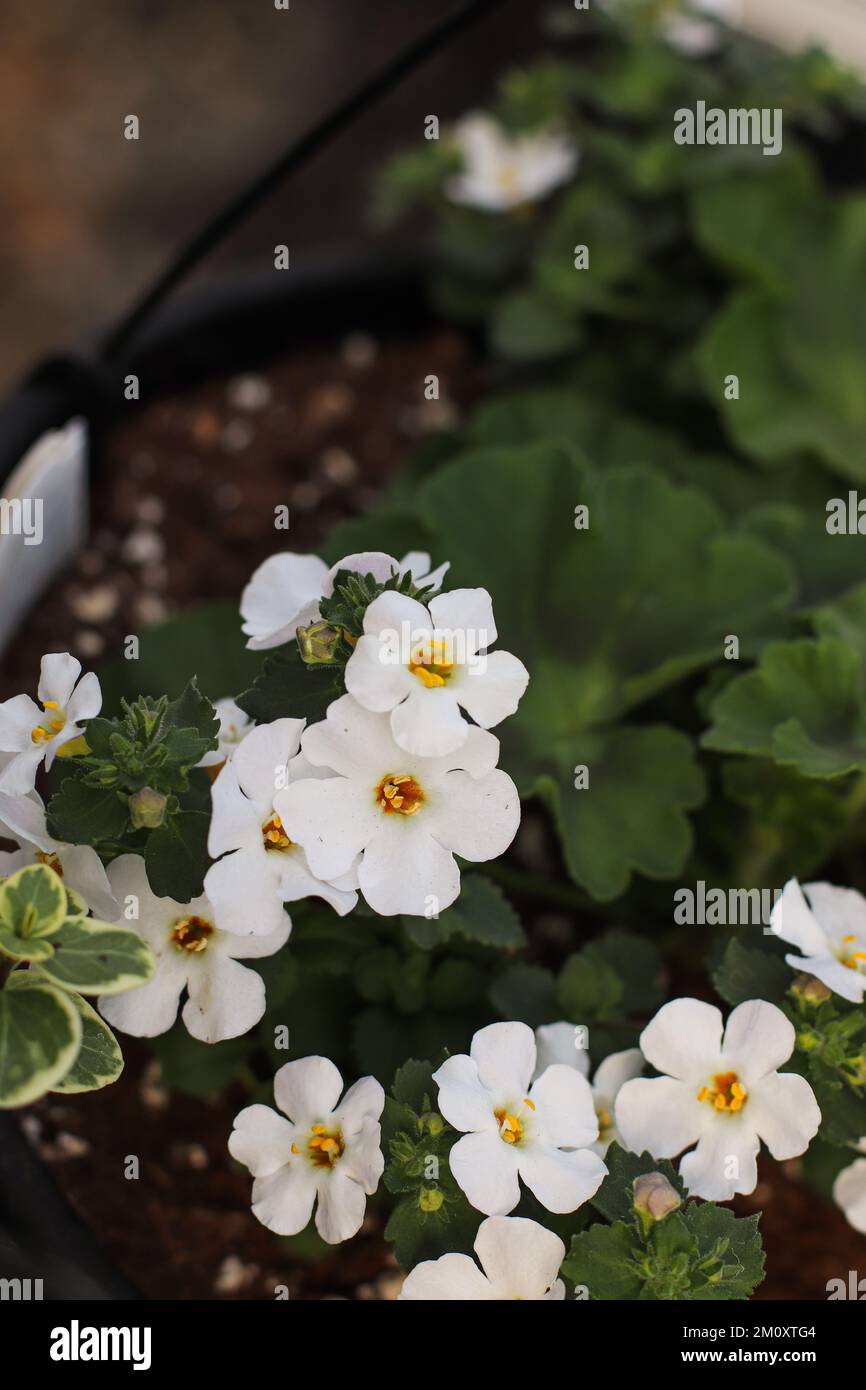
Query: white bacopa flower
[22,818]
[263,866]
[423,665]
[234,727]
[514,1127]
[225,999]
[405,816]
[501,171]
[326,1148]
[556,1045]
[33,732]
[828,926]
[520,1260]
[849,1191]
[285,591]
[723,1093]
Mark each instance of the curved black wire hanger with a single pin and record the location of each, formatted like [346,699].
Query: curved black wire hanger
[289,162]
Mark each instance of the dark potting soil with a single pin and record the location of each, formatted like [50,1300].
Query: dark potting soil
[183,513]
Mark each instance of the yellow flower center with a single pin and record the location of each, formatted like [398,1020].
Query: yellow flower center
[50,860]
[274,835]
[324,1146]
[191,934]
[399,794]
[432,662]
[511,1127]
[726,1093]
[508,176]
[605,1122]
[44,733]
[854,960]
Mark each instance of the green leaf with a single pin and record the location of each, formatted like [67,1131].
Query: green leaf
[83,815]
[97,958]
[615,1198]
[414,1084]
[602,1261]
[32,902]
[481,914]
[749,973]
[207,640]
[200,1069]
[176,856]
[99,1061]
[604,618]
[15,947]
[525,993]
[588,988]
[40,1035]
[530,325]
[803,706]
[742,1258]
[286,688]
[418,1235]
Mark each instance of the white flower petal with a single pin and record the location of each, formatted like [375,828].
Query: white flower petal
[382,567]
[252,947]
[504,1054]
[283,1200]
[244,890]
[792,920]
[463,1100]
[297,882]
[485,1169]
[466,610]
[476,817]
[616,1070]
[565,1110]
[261,762]
[332,818]
[19,716]
[847,983]
[226,999]
[492,693]
[57,676]
[235,820]
[376,683]
[150,1009]
[23,818]
[261,1140]
[363,1159]
[759,1037]
[308,1090]
[283,591]
[725,1160]
[85,702]
[342,1203]
[840,912]
[404,870]
[562,1181]
[450,1278]
[364,1100]
[428,723]
[556,1043]
[18,777]
[351,740]
[662,1116]
[783,1111]
[84,873]
[684,1039]
[520,1258]
[849,1192]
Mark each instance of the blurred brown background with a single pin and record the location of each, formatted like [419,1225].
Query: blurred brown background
[219,87]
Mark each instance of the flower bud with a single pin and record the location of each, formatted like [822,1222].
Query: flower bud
[147,809]
[654,1198]
[430,1199]
[318,644]
[810,989]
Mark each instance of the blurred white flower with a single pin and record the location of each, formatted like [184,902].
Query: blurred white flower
[33,732]
[405,816]
[261,866]
[723,1093]
[285,591]
[327,1148]
[849,1191]
[828,926]
[520,1260]
[234,727]
[502,171]
[514,1128]
[423,665]
[225,999]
